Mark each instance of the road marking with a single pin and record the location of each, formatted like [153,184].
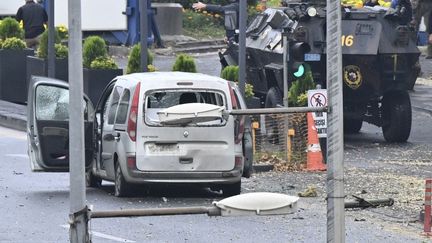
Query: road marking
[18,155]
[104,236]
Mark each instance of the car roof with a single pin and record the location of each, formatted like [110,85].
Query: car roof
[173,77]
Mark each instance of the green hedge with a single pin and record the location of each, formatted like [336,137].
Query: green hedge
[134,60]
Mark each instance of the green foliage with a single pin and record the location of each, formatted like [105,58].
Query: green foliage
[13,43]
[9,27]
[62,32]
[61,51]
[231,73]
[1,43]
[203,25]
[184,63]
[134,59]
[297,94]
[42,51]
[94,47]
[249,90]
[103,63]
[188,3]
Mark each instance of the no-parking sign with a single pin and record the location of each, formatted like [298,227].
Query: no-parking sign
[318,98]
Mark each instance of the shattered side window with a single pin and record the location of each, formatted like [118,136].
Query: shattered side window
[52,103]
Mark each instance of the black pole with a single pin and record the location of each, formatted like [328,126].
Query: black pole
[51,40]
[144,33]
[242,46]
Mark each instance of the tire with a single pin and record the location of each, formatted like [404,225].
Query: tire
[229,190]
[396,115]
[352,125]
[412,76]
[248,155]
[273,99]
[92,180]
[121,187]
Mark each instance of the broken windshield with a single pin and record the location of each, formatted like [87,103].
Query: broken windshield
[174,108]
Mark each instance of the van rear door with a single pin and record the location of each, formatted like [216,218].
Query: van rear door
[185,130]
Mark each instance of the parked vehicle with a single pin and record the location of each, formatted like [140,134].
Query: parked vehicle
[155,127]
[380,61]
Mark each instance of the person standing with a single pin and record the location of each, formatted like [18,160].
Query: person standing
[34,17]
[423,8]
[230,12]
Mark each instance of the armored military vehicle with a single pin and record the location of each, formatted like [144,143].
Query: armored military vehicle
[380,61]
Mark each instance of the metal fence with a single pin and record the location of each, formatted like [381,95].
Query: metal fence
[280,140]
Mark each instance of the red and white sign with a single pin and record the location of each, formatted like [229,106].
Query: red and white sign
[318,98]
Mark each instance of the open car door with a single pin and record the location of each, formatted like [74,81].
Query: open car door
[48,125]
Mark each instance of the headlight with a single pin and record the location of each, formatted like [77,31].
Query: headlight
[311,11]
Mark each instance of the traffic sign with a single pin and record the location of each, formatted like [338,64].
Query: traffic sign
[318,98]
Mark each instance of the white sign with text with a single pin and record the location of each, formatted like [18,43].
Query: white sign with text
[318,98]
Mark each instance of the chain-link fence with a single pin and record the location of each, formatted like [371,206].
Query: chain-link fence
[280,140]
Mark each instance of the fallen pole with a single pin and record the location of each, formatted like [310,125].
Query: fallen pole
[278,110]
[210,211]
[363,203]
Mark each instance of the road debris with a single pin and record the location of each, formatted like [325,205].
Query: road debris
[309,192]
[363,203]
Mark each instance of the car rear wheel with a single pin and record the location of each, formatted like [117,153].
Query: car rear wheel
[92,180]
[396,116]
[352,125]
[121,187]
[248,155]
[229,190]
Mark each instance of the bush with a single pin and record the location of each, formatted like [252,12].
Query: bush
[103,63]
[62,32]
[42,50]
[1,43]
[9,27]
[94,47]
[297,94]
[13,43]
[184,63]
[61,51]
[134,59]
[231,73]
[188,3]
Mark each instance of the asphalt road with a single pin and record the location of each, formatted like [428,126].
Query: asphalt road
[34,206]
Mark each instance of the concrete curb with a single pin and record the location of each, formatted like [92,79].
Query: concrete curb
[13,121]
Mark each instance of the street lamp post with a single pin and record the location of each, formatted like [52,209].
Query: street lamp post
[51,40]
[78,210]
[143,33]
[242,46]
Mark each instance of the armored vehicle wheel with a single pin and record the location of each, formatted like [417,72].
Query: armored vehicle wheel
[352,125]
[396,110]
[273,99]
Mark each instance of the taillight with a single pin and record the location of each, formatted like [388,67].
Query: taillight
[239,121]
[238,162]
[233,98]
[131,162]
[133,115]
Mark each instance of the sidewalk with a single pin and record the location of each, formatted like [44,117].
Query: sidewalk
[15,115]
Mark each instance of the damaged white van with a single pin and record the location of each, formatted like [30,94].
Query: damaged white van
[159,127]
